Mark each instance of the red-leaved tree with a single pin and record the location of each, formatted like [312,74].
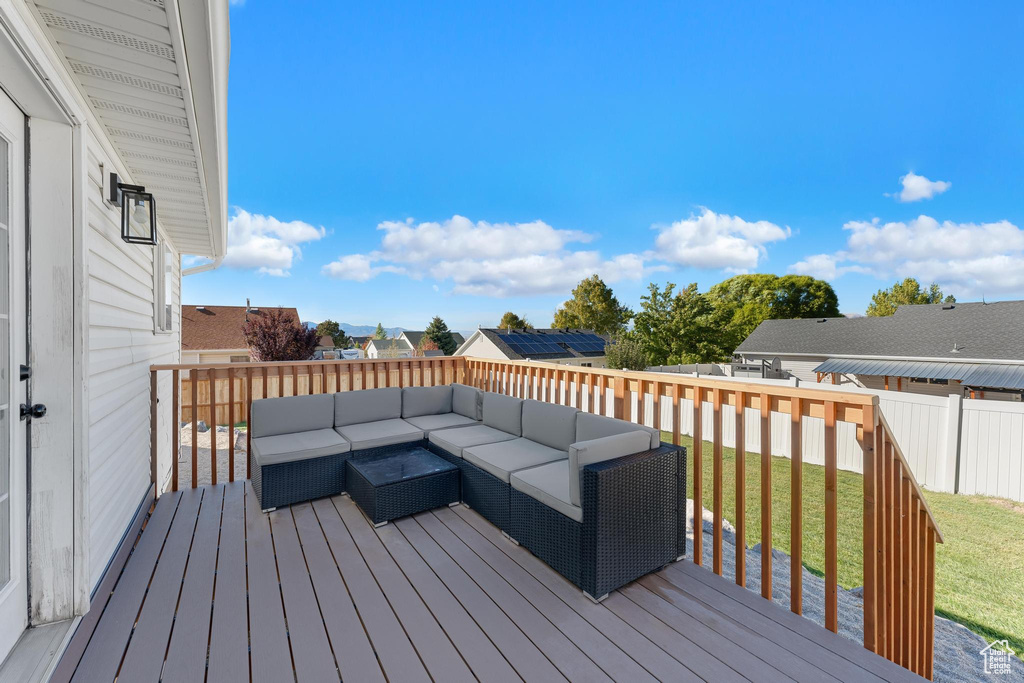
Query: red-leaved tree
[274,336]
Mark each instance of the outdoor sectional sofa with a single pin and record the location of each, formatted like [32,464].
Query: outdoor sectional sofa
[602,501]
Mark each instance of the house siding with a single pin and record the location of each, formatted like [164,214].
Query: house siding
[122,345]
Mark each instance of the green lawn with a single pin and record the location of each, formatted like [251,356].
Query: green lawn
[979,573]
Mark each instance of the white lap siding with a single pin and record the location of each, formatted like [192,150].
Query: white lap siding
[122,345]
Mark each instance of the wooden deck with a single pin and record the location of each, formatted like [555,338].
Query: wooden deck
[216,590]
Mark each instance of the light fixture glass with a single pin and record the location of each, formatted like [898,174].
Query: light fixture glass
[138,211]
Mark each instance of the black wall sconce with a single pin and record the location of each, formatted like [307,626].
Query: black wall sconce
[138,211]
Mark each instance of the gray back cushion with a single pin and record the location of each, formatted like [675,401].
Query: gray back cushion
[418,401]
[367,405]
[504,413]
[467,401]
[589,427]
[292,414]
[584,453]
[549,424]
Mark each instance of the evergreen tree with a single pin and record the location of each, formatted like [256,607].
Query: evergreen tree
[380,333]
[437,331]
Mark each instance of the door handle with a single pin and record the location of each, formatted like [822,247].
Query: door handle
[32,412]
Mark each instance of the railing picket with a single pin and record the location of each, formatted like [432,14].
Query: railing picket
[906,579]
[698,476]
[231,425]
[717,480]
[211,381]
[677,390]
[796,513]
[766,496]
[929,655]
[741,492]
[869,481]
[831,525]
[175,426]
[248,417]
[194,374]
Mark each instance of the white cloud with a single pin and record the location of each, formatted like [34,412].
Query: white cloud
[968,259]
[482,258]
[917,187]
[713,241]
[265,244]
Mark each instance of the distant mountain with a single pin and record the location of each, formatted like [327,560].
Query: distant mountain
[360,330]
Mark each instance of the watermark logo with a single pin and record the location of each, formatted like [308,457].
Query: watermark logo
[997,661]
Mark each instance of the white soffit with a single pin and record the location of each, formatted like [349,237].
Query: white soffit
[128,57]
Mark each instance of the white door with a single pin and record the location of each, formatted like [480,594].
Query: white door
[13,528]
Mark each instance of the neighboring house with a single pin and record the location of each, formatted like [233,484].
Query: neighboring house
[414,339]
[87,90]
[969,349]
[360,342]
[326,343]
[213,334]
[569,347]
[396,347]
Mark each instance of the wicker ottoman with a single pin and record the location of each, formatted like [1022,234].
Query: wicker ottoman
[400,483]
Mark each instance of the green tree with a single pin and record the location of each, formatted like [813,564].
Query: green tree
[511,320]
[908,292]
[380,332]
[745,301]
[437,331]
[681,327]
[626,353]
[593,306]
[333,330]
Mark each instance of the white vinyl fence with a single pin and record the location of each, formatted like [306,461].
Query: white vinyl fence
[968,446]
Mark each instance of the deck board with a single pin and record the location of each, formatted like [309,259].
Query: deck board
[320,594]
[229,642]
[186,658]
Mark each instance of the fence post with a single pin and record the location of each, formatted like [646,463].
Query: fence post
[954,415]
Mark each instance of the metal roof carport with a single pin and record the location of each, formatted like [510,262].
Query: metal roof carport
[990,375]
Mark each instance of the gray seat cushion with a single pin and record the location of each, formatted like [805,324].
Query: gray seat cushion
[584,453]
[426,401]
[502,459]
[429,423]
[280,448]
[590,427]
[367,405]
[548,484]
[549,424]
[272,416]
[468,401]
[458,438]
[379,433]
[503,412]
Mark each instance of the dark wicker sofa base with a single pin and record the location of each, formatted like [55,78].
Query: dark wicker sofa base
[485,493]
[634,522]
[301,480]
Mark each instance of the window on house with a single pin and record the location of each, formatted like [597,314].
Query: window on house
[163,276]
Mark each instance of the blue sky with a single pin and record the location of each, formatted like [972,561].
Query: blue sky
[393,161]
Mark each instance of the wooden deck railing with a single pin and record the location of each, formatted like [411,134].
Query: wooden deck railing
[899,531]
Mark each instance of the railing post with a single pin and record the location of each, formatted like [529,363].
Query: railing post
[716,541]
[698,476]
[211,382]
[231,425]
[870,483]
[194,374]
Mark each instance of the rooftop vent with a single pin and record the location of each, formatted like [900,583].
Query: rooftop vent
[821,320]
[200,308]
[948,307]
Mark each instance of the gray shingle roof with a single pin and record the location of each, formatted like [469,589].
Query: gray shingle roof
[415,337]
[976,330]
